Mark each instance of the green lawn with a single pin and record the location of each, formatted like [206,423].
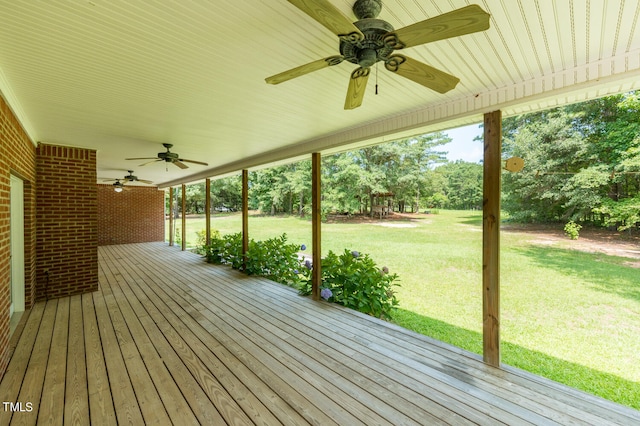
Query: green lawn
[571,316]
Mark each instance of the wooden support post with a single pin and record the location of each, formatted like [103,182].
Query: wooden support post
[316,216]
[184,217]
[245,217]
[491,238]
[207,209]
[171,210]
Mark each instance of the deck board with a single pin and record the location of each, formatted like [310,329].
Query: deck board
[76,404]
[122,392]
[369,368]
[14,377]
[169,339]
[51,409]
[100,400]
[202,365]
[172,399]
[32,385]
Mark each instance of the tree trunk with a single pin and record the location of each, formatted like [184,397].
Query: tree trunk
[301,204]
[371,204]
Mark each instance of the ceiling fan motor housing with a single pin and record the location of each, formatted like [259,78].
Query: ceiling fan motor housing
[372,48]
[364,9]
[168,156]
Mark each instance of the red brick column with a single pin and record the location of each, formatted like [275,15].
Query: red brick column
[67,218]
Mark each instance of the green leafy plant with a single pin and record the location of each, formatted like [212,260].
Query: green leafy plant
[275,259]
[351,279]
[201,238]
[623,214]
[355,281]
[225,250]
[572,230]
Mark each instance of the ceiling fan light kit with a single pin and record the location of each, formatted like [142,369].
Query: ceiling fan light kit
[370,40]
[118,186]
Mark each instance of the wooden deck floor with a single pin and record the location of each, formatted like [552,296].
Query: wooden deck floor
[169,339]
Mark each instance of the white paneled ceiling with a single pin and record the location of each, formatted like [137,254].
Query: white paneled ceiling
[125,77]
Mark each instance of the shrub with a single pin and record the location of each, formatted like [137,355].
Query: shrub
[177,238]
[201,237]
[354,280]
[225,250]
[351,279]
[275,259]
[572,230]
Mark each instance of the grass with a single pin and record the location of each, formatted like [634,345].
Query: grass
[570,316]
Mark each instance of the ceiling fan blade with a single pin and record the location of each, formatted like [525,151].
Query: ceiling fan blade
[144,181]
[193,161]
[357,86]
[142,158]
[466,20]
[421,73]
[304,69]
[180,164]
[148,162]
[328,15]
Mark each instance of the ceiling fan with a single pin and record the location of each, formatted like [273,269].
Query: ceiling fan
[169,157]
[370,40]
[129,178]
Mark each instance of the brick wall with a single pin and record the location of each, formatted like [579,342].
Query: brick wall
[135,215]
[67,217]
[18,157]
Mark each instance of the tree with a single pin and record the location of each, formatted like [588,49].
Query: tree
[580,161]
[227,192]
[554,150]
[342,189]
[416,160]
[298,176]
[352,179]
[266,192]
[463,185]
[195,198]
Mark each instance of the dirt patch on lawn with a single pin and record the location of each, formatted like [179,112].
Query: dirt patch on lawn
[396,225]
[393,220]
[592,240]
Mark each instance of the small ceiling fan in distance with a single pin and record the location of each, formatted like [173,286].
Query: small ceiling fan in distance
[129,178]
[169,157]
[370,40]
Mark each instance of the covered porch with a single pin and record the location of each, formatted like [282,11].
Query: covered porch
[170,339]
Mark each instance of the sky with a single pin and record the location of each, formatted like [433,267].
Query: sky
[462,146]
